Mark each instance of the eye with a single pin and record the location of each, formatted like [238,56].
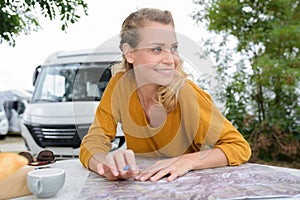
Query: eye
[174,49]
[157,49]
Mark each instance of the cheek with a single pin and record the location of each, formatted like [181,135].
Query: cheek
[142,59]
[176,61]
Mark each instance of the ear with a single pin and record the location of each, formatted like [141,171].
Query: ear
[127,52]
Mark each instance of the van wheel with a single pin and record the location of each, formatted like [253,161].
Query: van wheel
[2,137]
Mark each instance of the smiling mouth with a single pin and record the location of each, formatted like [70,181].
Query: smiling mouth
[165,71]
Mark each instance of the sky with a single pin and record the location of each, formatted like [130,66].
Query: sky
[103,22]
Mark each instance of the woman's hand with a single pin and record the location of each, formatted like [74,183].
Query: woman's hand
[119,164]
[174,167]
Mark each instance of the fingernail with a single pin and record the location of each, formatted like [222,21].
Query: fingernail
[115,172]
[152,179]
[100,171]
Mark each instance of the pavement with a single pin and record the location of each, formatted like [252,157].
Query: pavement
[12,143]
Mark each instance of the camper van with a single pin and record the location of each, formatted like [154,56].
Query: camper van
[68,88]
[12,106]
[3,122]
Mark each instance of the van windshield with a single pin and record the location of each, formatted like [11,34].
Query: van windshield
[71,82]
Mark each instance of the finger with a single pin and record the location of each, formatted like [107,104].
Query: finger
[150,171]
[172,177]
[177,173]
[131,163]
[146,174]
[143,176]
[108,174]
[120,161]
[160,174]
[112,165]
[100,169]
[153,169]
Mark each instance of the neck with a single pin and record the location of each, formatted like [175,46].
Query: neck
[155,114]
[147,95]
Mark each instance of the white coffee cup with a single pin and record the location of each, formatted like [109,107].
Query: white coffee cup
[45,183]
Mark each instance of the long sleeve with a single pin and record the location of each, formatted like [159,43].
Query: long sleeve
[215,130]
[103,129]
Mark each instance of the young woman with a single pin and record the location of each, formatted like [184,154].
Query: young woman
[163,114]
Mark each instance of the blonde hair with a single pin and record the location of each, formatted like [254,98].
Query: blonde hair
[167,96]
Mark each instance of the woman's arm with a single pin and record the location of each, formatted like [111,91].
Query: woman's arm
[178,166]
[103,129]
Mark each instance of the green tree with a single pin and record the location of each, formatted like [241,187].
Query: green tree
[19,17]
[262,90]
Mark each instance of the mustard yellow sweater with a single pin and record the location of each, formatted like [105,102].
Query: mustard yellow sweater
[195,125]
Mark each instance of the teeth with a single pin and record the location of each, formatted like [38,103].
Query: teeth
[164,70]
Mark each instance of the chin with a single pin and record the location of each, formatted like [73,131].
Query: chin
[166,82]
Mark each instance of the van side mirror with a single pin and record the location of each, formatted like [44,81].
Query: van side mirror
[36,74]
[21,107]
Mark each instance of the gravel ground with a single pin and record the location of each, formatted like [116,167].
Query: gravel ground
[12,143]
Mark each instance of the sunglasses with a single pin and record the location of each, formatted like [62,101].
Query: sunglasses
[44,157]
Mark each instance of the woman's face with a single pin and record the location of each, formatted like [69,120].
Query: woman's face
[155,57]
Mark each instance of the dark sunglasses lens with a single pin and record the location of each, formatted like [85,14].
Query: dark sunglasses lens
[45,155]
[27,155]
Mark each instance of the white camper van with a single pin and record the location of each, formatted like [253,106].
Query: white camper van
[3,122]
[68,88]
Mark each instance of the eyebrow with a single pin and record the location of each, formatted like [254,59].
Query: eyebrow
[163,44]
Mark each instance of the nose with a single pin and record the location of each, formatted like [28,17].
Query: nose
[168,57]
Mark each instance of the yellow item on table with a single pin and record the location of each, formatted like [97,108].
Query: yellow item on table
[13,174]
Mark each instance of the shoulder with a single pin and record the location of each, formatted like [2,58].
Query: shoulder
[121,83]
[199,92]
[117,76]
[114,79]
